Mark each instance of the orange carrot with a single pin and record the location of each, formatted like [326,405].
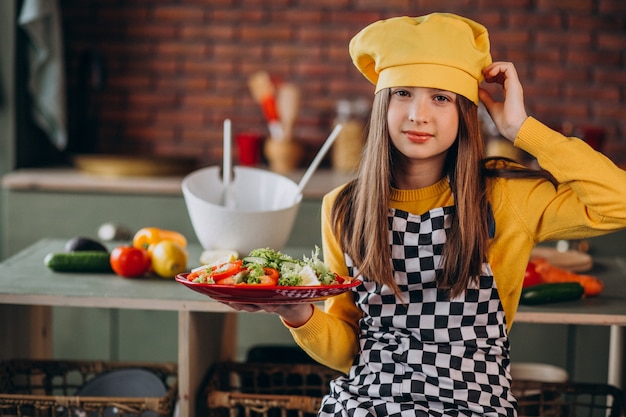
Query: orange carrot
[550,273]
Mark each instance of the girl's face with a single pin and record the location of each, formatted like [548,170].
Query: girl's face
[423,123]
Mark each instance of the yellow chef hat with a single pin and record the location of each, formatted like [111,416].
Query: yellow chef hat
[438,50]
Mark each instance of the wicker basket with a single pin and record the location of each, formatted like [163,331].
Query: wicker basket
[568,399]
[265,389]
[235,389]
[45,388]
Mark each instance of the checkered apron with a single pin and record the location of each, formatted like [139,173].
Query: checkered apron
[429,356]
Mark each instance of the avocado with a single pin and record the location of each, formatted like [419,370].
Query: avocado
[79,244]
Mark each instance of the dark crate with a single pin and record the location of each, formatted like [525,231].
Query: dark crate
[47,388]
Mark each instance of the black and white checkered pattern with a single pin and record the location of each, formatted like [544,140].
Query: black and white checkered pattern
[426,356]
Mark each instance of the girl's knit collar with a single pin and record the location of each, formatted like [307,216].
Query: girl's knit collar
[431,191]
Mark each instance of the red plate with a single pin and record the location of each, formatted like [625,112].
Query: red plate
[264,294]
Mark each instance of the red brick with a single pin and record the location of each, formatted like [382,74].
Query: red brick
[136,81]
[614,7]
[453,6]
[234,52]
[580,6]
[206,135]
[110,114]
[594,22]
[294,51]
[593,58]
[561,38]
[143,66]
[206,101]
[149,133]
[560,74]
[187,118]
[606,111]
[511,37]
[506,5]
[237,16]
[298,17]
[183,83]
[332,4]
[265,33]
[592,92]
[558,110]
[122,48]
[615,77]
[396,5]
[533,21]
[208,33]
[612,41]
[152,99]
[182,48]
[178,13]
[537,92]
[151,31]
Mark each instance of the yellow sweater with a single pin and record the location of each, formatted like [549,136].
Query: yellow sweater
[590,200]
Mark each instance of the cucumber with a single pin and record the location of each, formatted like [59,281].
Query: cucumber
[82,261]
[551,293]
[255,260]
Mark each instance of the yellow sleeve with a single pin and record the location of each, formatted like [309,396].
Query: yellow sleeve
[331,335]
[589,201]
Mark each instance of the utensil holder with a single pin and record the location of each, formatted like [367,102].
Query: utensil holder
[283,156]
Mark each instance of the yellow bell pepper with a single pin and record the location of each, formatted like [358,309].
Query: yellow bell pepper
[147,237]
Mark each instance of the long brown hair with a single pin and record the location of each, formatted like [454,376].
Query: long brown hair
[360,212]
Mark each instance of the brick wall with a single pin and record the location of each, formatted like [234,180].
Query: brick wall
[174,69]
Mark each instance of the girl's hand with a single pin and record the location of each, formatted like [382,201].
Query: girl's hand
[510,114]
[294,314]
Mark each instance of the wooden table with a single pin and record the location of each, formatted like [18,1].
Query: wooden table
[27,284]
[608,309]
[29,290]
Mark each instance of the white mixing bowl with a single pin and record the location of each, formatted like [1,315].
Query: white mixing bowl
[266,205]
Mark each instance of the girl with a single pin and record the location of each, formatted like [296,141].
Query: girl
[439,236]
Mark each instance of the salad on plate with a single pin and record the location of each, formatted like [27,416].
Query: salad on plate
[268,267]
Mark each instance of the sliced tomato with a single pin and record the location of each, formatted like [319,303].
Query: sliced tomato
[195,274]
[226,281]
[226,269]
[270,277]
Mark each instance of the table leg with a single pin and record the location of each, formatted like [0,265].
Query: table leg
[203,339]
[616,352]
[36,342]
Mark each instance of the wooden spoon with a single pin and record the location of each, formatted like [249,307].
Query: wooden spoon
[288,103]
[263,92]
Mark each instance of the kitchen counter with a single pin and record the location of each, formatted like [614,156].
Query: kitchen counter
[73,180]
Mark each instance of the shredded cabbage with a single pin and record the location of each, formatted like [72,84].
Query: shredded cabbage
[296,272]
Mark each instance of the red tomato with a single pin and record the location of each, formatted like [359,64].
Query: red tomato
[226,269]
[270,277]
[130,262]
[531,276]
[226,281]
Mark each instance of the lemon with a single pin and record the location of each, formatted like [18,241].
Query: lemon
[218,256]
[168,259]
